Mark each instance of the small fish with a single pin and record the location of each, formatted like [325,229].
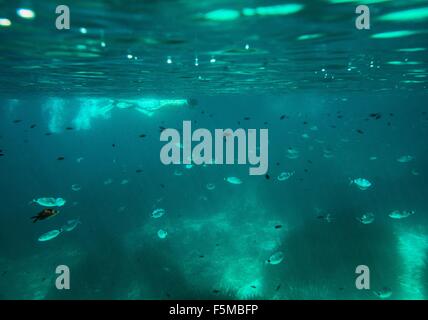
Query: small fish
[278,287]
[113,145]
[48,133]
[138,171]
[360,131]
[326,217]
[49,235]
[45,214]
[71,225]
[278,226]
[69,128]
[33,126]
[60,158]
[233,180]
[161,128]
[282,117]
[254,287]
[267,177]
[17,121]
[247,118]
[216,291]
[142,135]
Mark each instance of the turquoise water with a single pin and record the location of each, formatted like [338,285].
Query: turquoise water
[81,112]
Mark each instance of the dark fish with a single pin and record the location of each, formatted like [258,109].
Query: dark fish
[60,158]
[69,128]
[1,154]
[192,102]
[17,121]
[310,161]
[339,117]
[306,170]
[162,185]
[265,123]
[113,145]
[48,133]
[305,122]
[360,131]
[278,287]
[278,226]
[201,256]
[247,118]
[277,163]
[143,135]
[253,287]
[161,128]
[138,171]
[267,176]
[389,124]
[282,117]
[333,126]
[216,291]
[377,116]
[33,126]
[45,214]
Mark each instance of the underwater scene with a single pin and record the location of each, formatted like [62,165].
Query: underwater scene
[113,119]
